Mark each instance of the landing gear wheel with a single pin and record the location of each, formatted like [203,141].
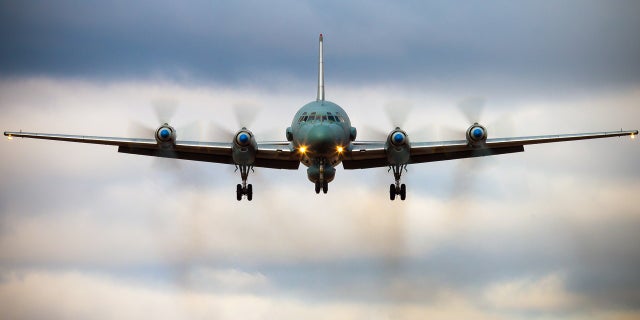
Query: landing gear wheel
[317,187]
[392,192]
[325,187]
[244,188]
[397,188]
[250,192]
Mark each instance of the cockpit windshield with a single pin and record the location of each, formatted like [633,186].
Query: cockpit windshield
[315,117]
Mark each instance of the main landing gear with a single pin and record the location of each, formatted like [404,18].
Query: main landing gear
[397,188]
[244,189]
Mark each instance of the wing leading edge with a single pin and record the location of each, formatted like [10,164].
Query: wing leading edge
[276,155]
[372,154]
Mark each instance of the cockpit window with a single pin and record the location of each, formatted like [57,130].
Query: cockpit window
[321,117]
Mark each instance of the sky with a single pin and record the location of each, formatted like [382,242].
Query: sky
[551,233]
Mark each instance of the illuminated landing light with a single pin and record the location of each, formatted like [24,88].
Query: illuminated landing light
[10,137]
[302,149]
[633,136]
[340,149]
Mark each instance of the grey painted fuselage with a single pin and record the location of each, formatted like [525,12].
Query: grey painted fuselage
[321,131]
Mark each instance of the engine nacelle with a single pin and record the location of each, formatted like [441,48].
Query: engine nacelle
[289,134]
[397,147]
[166,136]
[244,147]
[476,135]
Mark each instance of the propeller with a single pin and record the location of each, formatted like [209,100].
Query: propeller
[244,113]
[164,110]
[472,109]
[466,171]
[397,113]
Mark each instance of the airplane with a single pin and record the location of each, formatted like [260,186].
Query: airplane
[321,138]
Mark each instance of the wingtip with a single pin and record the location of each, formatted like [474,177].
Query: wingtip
[321,37]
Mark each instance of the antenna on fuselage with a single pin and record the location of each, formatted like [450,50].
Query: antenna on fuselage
[320,74]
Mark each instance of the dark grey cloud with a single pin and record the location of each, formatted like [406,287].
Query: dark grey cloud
[542,42]
[77,216]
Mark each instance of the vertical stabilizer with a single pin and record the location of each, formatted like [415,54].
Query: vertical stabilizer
[320,74]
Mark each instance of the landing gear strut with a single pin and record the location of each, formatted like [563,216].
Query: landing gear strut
[244,189]
[322,183]
[397,188]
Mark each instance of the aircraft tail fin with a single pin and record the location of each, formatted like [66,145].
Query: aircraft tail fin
[320,73]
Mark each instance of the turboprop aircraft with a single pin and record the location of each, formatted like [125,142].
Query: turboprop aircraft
[321,138]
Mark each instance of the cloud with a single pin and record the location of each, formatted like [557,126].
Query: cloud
[36,293]
[545,46]
[86,232]
[556,219]
[547,294]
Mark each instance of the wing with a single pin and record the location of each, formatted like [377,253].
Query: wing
[276,154]
[372,154]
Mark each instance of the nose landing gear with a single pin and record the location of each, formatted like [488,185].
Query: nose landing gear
[397,188]
[322,182]
[324,185]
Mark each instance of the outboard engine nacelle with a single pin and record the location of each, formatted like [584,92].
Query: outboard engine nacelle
[166,136]
[476,135]
[397,147]
[244,148]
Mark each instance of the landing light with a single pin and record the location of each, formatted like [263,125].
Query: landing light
[302,149]
[340,149]
[10,137]
[633,136]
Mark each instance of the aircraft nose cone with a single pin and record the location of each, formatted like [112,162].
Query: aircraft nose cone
[321,140]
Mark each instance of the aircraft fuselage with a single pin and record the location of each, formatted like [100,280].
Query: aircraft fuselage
[321,131]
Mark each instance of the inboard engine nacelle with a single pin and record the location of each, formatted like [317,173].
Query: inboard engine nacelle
[398,147]
[244,147]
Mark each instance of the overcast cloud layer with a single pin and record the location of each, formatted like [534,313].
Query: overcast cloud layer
[551,233]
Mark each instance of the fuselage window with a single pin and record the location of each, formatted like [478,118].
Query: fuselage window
[331,118]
